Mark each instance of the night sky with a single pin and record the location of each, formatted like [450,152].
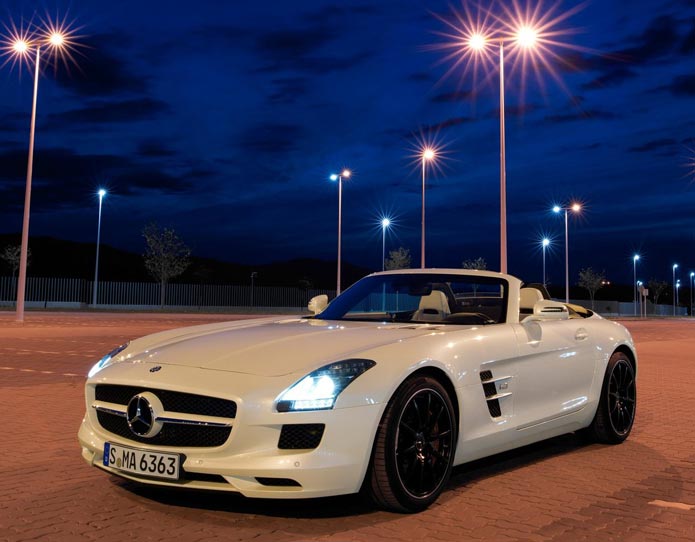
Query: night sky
[224,119]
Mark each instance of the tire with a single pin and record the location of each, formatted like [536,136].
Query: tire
[615,414]
[414,447]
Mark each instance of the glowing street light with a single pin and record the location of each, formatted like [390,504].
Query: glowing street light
[101,194]
[345,174]
[678,287]
[531,33]
[675,294]
[635,258]
[385,223]
[18,47]
[429,154]
[544,243]
[575,208]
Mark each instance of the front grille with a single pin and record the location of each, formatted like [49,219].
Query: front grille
[173,401]
[172,434]
[303,436]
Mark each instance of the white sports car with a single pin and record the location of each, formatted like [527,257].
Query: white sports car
[403,376]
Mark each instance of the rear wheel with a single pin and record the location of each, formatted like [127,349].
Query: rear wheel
[414,447]
[616,410]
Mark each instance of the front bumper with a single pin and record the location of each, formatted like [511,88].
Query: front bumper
[337,466]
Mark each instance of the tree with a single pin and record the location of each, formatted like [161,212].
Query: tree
[592,281]
[398,259]
[478,263]
[657,287]
[166,255]
[12,254]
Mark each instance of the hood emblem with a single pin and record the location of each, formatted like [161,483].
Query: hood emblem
[141,415]
[155,368]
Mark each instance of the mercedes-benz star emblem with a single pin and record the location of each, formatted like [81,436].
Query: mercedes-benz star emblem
[141,415]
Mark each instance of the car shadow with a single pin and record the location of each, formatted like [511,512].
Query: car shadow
[347,506]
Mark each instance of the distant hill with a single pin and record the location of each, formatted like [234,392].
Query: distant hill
[52,257]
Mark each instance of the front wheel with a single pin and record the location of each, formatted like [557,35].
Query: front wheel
[617,405]
[414,447]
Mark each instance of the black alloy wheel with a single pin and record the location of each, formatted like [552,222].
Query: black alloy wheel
[415,445]
[618,402]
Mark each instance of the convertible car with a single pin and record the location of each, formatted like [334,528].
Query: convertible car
[405,375]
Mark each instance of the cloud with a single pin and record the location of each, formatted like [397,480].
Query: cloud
[271,138]
[610,78]
[653,145]
[98,71]
[458,96]
[112,112]
[683,85]
[153,148]
[591,114]
[288,90]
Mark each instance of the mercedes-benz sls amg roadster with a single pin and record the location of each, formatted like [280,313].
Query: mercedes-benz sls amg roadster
[405,375]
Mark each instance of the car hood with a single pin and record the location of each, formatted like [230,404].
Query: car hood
[268,347]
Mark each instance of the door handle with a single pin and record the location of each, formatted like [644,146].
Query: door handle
[581,335]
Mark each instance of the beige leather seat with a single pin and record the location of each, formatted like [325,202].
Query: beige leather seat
[433,308]
[528,297]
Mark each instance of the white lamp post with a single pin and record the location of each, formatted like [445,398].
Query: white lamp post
[525,37]
[21,46]
[692,281]
[428,154]
[575,207]
[675,266]
[385,223]
[634,280]
[545,242]
[339,177]
[101,193]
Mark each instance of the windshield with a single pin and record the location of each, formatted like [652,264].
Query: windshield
[423,298]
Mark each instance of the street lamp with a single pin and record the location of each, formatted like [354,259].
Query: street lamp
[675,266]
[678,287]
[634,280]
[101,193]
[385,223]
[545,242]
[20,45]
[428,154]
[575,207]
[346,173]
[692,281]
[525,37]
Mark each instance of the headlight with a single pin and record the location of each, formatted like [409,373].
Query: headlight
[103,362]
[319,390]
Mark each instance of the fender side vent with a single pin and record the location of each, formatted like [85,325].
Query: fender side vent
[490,390]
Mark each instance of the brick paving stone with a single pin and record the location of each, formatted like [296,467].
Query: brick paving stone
[560,490]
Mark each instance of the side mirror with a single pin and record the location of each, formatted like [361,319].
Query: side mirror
[318,304]
[549,310]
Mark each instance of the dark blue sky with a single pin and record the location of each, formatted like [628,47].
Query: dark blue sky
[224,119]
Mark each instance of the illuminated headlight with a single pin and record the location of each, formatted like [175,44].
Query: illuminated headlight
[103,362]
[319,390]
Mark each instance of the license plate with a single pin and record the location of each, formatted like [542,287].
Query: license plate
[142,462]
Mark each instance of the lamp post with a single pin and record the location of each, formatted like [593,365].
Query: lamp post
[101,193]
[634,280]
[21,46]
[575,207]
[339,177]
[678,287]
[524,37]
[545,242]
[675,266]
[692,281]
[428,154]
[385,223]
[254,274]
[640,289]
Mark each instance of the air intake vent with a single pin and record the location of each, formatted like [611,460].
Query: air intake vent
[304,436]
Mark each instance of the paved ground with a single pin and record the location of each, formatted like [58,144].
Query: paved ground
[562,490]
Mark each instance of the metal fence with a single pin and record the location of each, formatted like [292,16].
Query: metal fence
[70,291]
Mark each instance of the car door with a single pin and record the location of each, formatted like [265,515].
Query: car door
[554,370]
